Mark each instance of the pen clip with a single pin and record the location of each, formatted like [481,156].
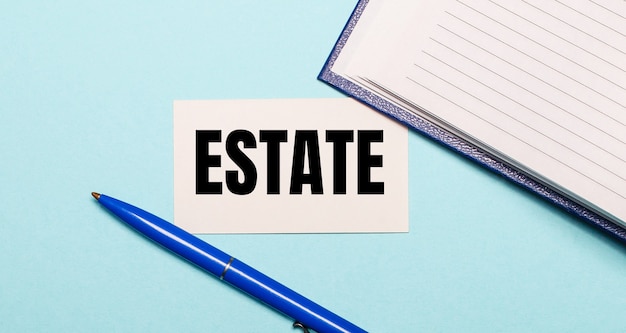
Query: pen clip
[298,324]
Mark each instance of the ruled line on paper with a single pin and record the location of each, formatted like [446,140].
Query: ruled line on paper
[607,9]
[536,94]
[530,109]
[546,65]
[537,78]
[574,27]
[511,134]
[553,34]
[462,17]
[543,46]
[589,17]
[573,150]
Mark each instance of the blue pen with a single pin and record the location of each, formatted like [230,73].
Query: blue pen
[306,313]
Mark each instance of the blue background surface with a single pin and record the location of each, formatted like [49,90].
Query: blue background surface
[86,91]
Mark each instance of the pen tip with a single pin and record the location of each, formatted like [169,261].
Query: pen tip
[96,195]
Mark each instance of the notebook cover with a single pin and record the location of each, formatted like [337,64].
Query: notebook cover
[435,132]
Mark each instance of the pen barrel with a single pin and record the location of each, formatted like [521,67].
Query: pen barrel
[231,270]
[285,300]
[170,236]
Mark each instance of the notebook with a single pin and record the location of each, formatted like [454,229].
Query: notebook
[532,89]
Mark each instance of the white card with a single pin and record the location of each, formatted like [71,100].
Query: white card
[288,166]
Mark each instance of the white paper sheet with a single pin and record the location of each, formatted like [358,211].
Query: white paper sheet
[540,84]
[284,212]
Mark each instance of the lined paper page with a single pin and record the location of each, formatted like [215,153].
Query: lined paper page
[542,83]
